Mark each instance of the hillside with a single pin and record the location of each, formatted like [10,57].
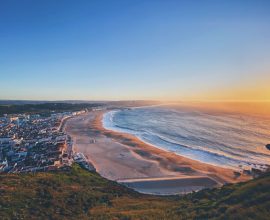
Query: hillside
[79,194]
[44,108]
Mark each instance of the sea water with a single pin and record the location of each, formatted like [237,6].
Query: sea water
[224,138]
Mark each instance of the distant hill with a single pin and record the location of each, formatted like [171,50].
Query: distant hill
[79,194]
[33,107]
[44,108]
[33,102]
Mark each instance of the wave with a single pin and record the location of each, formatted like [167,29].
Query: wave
[225,156]
[206,156]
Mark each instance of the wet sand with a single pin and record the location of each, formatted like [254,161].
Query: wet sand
[126,159]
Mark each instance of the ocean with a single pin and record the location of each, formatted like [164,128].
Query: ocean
[226,138]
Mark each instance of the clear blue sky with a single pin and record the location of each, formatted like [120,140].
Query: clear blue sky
[133,49]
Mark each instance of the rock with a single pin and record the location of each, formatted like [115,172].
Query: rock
[236,174]
[256,172]
[247,172]
[267,146]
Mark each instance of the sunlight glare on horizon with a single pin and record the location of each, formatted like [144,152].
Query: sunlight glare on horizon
[134,50]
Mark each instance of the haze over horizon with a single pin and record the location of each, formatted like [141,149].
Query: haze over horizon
[135,50]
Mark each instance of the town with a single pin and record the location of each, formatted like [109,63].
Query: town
[34,142]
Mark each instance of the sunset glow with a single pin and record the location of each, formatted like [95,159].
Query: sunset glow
[177,50]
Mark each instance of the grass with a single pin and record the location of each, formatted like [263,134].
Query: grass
[79,194]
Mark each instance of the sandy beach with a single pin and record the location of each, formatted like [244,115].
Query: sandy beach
[128,160]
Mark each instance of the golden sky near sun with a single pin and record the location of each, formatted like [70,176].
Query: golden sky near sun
[256,88]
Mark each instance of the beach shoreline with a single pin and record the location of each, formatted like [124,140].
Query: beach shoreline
[126,159]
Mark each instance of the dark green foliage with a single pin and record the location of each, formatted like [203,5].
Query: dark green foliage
[44,108]
[79,194]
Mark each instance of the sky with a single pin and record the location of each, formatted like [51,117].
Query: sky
[134,49]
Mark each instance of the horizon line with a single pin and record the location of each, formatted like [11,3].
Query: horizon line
[123,100]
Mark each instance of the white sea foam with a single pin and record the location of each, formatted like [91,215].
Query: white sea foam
[225,140]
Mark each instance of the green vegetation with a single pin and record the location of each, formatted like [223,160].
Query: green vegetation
[44,108]
[79,194]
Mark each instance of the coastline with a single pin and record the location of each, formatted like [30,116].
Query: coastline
[126,159]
